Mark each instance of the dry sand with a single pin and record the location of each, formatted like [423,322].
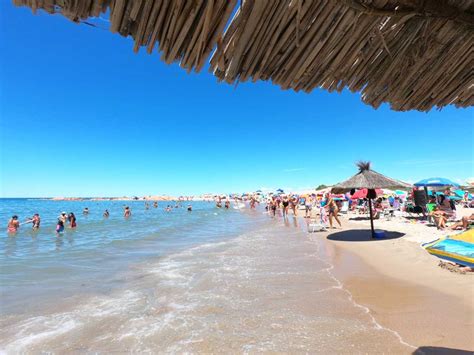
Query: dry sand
[402,284]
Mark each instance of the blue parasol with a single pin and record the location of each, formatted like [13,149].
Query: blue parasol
[435,181]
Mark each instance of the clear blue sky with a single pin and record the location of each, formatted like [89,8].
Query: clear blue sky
[82,115]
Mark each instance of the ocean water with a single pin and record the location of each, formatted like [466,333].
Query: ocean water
[211,280]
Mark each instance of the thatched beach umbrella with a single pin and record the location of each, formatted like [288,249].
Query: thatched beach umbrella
[371,180]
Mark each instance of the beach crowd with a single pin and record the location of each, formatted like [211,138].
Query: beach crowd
[436,207]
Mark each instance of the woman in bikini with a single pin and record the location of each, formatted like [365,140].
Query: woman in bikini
[285,203]
[13,224]
[293,205]
[332,210]
[440,217]
[72,220]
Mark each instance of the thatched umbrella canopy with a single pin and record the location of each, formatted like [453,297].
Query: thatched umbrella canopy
[412,54]
[369,179]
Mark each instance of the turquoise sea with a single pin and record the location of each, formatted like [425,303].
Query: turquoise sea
[207,281]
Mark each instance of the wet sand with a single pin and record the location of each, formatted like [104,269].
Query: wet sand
[404,287]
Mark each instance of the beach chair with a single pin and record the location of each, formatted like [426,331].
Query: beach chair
[345,207]
[430,208]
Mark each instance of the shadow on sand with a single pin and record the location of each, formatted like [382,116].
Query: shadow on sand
[436,350]
[360,218]
[362,235]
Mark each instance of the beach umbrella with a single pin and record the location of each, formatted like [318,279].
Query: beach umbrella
[435,181]
[369,179]
[460,193]
[362,193]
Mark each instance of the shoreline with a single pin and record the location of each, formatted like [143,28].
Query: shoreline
[403,287]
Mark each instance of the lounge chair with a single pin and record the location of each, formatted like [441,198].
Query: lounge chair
[345,207]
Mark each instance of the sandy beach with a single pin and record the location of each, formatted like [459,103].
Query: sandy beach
[401,284]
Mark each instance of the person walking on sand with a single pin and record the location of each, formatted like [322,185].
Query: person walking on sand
[273,206]
[294,205]
[13,224]
[332,210]
[308,206]
[72,220]
[285,203]
[127,212]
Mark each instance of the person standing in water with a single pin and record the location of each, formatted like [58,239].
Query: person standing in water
[63,217]
[59,227]
[85,211]
[72,220]
[35,221]
[190,208]
[13,224]
[332,210]
[127,212]
[106,214]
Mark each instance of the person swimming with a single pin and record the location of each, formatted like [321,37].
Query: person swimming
[106,214]
[190,208]
[13,224]
[85,211]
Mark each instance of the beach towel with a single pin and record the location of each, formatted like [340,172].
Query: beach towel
[458,248]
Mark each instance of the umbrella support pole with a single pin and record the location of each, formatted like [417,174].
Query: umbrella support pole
[371,218]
